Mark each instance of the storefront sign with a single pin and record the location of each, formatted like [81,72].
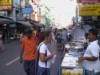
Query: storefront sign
[5,8]
[5,5]
[2,13]
[27,10]
[89,10]
[88,1]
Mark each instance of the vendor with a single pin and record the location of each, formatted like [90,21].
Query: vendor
[90,58]
[68,46]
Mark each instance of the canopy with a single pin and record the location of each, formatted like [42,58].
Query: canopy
[25,23]
[6,21]
[29,23]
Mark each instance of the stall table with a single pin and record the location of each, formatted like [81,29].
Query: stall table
[70,65]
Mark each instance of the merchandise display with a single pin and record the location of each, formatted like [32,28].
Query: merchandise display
[76,71]
[70,65]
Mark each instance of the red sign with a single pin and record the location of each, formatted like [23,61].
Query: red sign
[5,8]
[88,1]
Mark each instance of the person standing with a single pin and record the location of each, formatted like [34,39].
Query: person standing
[28,52]
[45,56]
[21,37]
[90,59]
[1,42]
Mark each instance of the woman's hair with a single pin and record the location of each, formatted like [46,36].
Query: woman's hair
[44,35]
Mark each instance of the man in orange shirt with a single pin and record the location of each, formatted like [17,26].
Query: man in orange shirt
[28,52]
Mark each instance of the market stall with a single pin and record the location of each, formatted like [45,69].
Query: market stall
[70,64]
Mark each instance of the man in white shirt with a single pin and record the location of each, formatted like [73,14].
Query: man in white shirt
[90,59]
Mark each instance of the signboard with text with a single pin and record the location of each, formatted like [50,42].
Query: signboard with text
[27,10]
[5,5]
[88,1]
[89,10]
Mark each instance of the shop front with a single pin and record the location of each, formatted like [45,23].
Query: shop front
[6,26]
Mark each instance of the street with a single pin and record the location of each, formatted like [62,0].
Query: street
[9,60]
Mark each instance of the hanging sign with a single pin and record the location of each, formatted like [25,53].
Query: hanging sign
[89,10]
[5,5]
[88,1]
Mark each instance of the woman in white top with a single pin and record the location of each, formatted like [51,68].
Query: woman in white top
[90,59]
[44,54]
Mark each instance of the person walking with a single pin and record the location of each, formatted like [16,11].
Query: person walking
[90,59]
[1,42]
[45,56]
[28,52]
[21,37]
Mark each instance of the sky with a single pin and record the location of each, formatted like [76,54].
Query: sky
[63,10]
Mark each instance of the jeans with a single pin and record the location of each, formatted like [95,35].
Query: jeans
[41,70]
[87,72]
[29,67]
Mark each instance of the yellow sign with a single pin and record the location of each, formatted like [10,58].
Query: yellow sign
[89,10]
[5,2]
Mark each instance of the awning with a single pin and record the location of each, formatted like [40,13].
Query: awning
[6,21]
[35,23]
[25,23]
[29,24]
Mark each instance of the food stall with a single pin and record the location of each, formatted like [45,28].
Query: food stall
[70,64]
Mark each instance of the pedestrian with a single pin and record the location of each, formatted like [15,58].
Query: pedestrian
[1,42]
[86,37]
[28,52]
[90,59]
[86,42]
[64,35]
[45,56]
[21,37]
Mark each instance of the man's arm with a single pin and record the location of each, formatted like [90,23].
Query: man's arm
[91,58]
[81,59]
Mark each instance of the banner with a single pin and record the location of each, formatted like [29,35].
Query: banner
[89,10]
[5,5]
[88,1]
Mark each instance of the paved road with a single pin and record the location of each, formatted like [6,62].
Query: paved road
[9,60]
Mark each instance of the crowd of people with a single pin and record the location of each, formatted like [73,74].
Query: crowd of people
[35,52]
[37,57]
